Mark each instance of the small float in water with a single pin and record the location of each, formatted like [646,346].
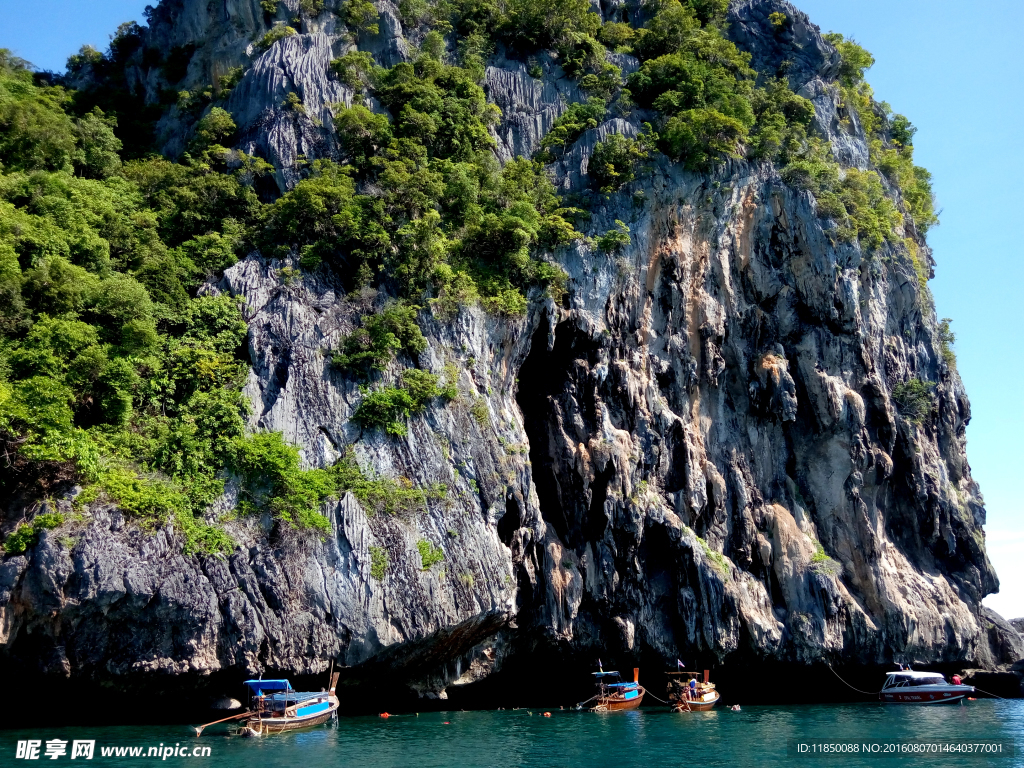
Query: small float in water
[908,687]
[613,695]
[688,693]
[276,707]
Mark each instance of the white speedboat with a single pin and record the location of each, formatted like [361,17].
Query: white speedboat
[907,687]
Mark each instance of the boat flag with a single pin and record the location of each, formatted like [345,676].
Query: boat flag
[681,665]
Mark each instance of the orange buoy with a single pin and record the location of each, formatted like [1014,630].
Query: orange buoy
[385,715]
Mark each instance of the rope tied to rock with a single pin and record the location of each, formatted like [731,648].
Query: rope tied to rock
[858,690]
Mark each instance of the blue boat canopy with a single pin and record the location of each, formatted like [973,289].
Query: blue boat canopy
[623,685]
[268,685]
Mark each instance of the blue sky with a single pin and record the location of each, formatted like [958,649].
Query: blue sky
[953,69]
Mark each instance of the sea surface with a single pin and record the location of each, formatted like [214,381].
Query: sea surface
[649,738]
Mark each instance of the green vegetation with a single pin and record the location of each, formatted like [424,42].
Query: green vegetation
[890,136]
[480,412]
[614,160]
[570,125]
[360,15]
[373,346]
[614,239]
[27,534]
[378,563]
[445,217]
[429,554]
[946,341]
[822,563]
[717,559]
[311,8]
[704,88]
[383,494]
[277,32]
[274,482]
[389,407]
[110,364]
[914,399]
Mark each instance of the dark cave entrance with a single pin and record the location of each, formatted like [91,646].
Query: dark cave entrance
[553,385]
[541,379]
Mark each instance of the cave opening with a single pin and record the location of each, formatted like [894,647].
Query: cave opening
[540,379]
[553,387]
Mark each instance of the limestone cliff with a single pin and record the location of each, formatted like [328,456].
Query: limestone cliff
[695,454]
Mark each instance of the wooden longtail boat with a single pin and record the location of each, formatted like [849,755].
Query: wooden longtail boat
[695,697]
[617,696]
[275,707]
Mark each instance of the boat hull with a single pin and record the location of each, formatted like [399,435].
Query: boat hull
[922,697]
[266,725]
[702,705]
[619,704]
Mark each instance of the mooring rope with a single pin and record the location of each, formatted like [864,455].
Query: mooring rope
[858,690]
[656,698]
[989,694]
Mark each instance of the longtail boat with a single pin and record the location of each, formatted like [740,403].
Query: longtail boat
[688,693]
[277,708]
[274,706]
[613,695]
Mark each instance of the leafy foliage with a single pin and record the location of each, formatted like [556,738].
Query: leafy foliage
[946,341]
[384,333]
[429,554]
[109,362]
[378,563]
[614,239]
[570,125]
[913,398]
[360,15]
[274,481]
[276,33]
[27,534]
[379,494]
[443,215]
[614,160]
[389,407]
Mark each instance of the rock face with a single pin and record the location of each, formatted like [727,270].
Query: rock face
[696,454]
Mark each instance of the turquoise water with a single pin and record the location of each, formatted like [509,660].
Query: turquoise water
[755,736]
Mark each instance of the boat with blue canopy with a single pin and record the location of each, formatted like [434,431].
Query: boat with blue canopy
[277,707]
[614,695]
[274,706]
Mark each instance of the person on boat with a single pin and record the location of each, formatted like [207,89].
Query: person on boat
[956,680]
[693,688]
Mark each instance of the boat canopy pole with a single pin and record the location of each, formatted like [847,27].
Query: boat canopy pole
[199,728]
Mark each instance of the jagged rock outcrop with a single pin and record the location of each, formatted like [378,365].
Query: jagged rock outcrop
[696,453]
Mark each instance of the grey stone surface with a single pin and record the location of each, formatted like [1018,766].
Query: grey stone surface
[697,453]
